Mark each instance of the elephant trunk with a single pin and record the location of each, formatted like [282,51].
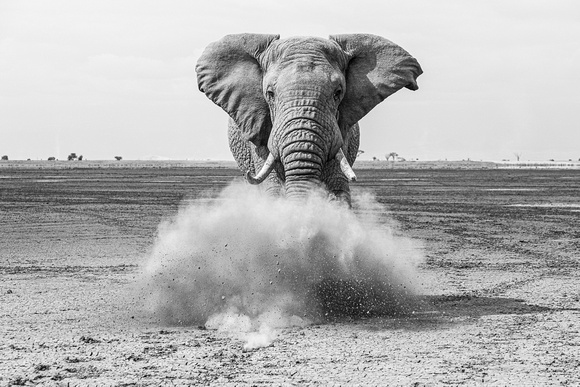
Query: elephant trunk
[305,137]
[300,188]
[303,152]
[302,171]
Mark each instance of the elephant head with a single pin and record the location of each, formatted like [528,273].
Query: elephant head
[301,97]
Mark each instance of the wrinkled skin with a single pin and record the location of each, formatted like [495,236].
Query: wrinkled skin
[294,103]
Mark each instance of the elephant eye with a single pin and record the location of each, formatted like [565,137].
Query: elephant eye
[337,95]
[270,94]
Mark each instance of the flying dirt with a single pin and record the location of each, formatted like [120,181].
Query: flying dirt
[248,263]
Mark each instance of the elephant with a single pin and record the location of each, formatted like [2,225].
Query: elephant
[294,103]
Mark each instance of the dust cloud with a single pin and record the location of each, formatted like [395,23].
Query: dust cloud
[248,263]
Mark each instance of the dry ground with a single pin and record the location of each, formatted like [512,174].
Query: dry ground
[500,285]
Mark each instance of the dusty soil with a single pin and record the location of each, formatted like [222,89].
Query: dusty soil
[500,285]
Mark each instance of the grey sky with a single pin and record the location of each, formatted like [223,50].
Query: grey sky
[105,78]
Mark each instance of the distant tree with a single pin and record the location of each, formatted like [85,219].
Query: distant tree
[51,158]
[518,155]
[81,158]
[118,158]
[374,158]
[392,154]
[72,156]
[5,158]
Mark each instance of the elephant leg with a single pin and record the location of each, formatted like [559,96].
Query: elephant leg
[240,148]
[336,182]
[252,158]
[333,177]
[352,139]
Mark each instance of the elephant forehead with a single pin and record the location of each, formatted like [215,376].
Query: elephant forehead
[307,49]
[310,75]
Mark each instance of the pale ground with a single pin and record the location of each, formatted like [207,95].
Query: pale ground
[500,297]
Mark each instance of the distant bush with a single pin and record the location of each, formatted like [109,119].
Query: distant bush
[5,158]
[118,158]
[51,158]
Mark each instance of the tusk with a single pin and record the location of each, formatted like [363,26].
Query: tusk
[264,172]
[345,166]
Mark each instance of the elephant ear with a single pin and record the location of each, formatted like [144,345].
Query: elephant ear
[229,74]
[376,69]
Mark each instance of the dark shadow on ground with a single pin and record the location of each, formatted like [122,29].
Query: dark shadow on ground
[474,306]
[441,312]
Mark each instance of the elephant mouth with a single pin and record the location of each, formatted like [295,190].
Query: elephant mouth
[271,161]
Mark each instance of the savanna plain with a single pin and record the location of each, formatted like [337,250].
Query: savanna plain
[497,299]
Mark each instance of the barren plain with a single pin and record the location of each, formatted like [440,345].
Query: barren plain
[500,293]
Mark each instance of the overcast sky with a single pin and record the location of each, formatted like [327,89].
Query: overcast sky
[105,78]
